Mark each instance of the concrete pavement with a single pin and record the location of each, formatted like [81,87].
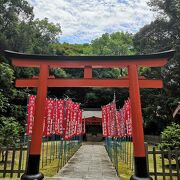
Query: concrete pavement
[90,162]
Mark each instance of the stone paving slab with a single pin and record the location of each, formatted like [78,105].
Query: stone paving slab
[90,162]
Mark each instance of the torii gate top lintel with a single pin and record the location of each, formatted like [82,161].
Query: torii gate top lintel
[34,60]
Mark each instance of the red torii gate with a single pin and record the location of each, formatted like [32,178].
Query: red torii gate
[133,82]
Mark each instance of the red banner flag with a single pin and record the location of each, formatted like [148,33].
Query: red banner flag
[69,105]
[79,123]
[84,126]
[49,116]
[114,123]
[108,120]
[113,119]
[30,115]
[128,118]
[59,117]
[118,124]
[74,119]
[122,123]
[104,121]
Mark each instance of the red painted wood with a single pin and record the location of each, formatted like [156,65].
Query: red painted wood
[137,121]
[37,132]
[89,83]
[93,121]
[127,77]
[88,72]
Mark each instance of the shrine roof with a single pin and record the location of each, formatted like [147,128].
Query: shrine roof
[165,54]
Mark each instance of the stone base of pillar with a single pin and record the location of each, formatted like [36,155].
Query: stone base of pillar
[140,167]
[140,178]
[38,176]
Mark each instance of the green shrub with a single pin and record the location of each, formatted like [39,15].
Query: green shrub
[171,137]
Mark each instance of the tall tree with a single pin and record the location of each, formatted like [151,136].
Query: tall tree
[118,43]
[11,14]
[162,34]
[20,32]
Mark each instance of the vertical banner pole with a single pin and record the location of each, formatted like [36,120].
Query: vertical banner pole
[137,126]
[32,171]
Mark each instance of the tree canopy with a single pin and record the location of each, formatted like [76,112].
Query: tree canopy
[118,43]
[162,34]
[20,31]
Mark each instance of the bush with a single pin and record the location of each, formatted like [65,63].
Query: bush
[10,131]
[171,137]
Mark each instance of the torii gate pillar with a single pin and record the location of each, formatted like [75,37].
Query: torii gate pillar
[137,126]
[32,171]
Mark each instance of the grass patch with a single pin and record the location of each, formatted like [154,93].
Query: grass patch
[49,164]
[51,169]
[124,171]
[125,152]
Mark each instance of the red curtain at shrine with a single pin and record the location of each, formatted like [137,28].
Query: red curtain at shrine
[117,123]
[62,117]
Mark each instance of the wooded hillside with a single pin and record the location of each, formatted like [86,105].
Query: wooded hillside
[21,32]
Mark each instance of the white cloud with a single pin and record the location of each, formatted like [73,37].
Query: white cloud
[85,20]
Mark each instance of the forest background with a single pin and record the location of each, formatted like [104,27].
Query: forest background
[21,32]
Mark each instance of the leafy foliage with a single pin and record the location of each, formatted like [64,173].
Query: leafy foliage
[70,49]
[162,34]
[19,31]
[7,76]
[6,79]
[171,137]
[118,43]
[9,131]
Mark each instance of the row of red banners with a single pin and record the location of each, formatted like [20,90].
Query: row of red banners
[62,117]
[117,123]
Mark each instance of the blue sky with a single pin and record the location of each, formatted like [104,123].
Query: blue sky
[84,20]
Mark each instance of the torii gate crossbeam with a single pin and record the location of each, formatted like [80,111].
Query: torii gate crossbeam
[89,83]
[132,81]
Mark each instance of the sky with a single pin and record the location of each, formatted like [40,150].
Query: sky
[85,20]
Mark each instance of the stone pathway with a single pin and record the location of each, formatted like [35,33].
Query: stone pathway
[91,162]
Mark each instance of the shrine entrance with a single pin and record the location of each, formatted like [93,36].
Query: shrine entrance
[92,120]
[132,81]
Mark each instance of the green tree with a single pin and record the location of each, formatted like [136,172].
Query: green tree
[10,131]
[11,99]
[70,49]
[19,31]
[11,13]
[162,34]
[115,44]
[118,43]
[6,79]
[170,137]
[44,33]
